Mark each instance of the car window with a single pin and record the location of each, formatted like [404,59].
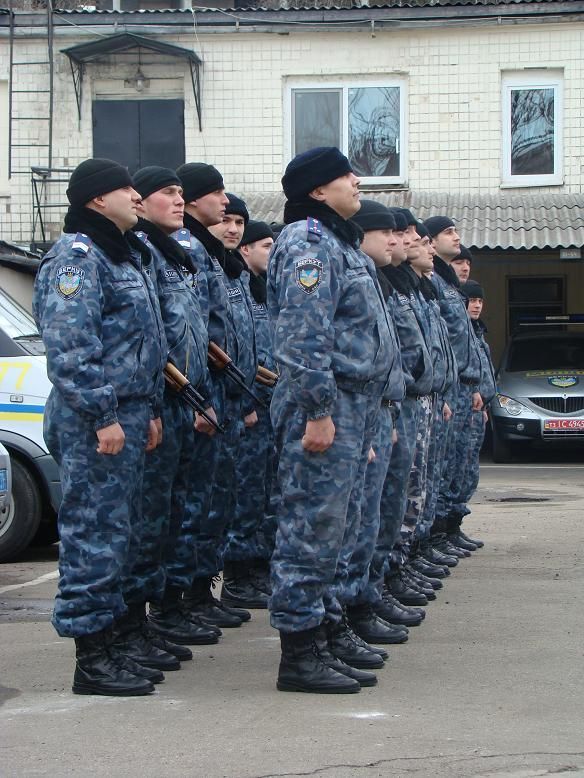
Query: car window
[565,352]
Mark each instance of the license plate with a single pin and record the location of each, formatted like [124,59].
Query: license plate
[563,424]
[3,481]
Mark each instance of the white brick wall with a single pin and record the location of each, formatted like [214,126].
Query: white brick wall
[454,107]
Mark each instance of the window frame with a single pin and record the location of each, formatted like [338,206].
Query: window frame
[343,85]
[533,79]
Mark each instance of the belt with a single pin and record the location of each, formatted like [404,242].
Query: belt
[370,388]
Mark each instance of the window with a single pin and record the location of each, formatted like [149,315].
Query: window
[366,120]
[534,296]
[532,129]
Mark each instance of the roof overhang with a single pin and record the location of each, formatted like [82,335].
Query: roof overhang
[97,50]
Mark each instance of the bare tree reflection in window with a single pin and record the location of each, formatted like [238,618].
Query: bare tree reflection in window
[532,132]
[374,130]
[317,119]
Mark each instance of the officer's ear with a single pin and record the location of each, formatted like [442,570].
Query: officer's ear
[97,203]
[244,250]
[318,194]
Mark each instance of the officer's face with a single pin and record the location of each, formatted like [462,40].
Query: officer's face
[475,307]
[398,255]
[414,247]
[462,269]
[257,254]
[424,261]
[342,195]
[230,231]
[447,244]
[165,208]
[210,208]
[119,206]
[379,245]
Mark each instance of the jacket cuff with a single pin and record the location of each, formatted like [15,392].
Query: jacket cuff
[106,420]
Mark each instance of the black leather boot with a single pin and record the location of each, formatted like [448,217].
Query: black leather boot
[433,551]
[403,592]
[393,613]
[345,645]
[429,569]
[410,609]
[170,619]
[441,543]
[304,669]
[426,580]
[475,541]
[239,587]
[365,622]
[241,613]
[129,664]
[362,677]
[96,672]
[200,602]
[417,584]
[454,537]
[130,638]
[182,653]
[260,571]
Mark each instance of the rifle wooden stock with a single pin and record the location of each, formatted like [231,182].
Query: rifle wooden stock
[181,384]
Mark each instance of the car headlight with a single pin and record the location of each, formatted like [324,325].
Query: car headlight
[513,407]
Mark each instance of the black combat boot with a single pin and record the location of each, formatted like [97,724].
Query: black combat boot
[362,677]
[475,541]
[431,554]
[170,619]
[130,638]
[200,602]
[182,653]
[402,591]
[349,648]
[394,613]
[96,672]
[429,569]
[304,669]
[416,583]
[453,534]
[239,586]
[241,613]
[439,554]
[441,543]
[389,599]
[260,572]
[127,663]
[365,622]
[426,580]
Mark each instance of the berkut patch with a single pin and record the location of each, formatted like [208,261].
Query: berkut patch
[308,274]
[69,281]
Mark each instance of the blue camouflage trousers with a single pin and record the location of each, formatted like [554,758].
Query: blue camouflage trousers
[361,586]
[166,483]
[417,482]
[455,453]
[99,516]
[470,479]
[319,508]
[253,469]
[434,472]
[394,492]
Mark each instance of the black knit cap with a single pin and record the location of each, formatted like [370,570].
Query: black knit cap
[96,177]
[313,168]
[236,206]
[401,223]
[256,231]
[422,230]
[409,216]
[464,254]
[437,224]
[153,178]
[373,215]
[199,179]
[472,289]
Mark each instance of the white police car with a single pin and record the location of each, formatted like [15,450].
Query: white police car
[540,386]
[24,389]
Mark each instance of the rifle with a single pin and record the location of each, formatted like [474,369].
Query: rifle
[188,393]
[219,360]
[266,377]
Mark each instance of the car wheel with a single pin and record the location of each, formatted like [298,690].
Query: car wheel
[20,521]
[48,531]
[502,453]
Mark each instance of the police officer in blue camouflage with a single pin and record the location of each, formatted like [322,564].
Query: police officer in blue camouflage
[251,536]
[98,315]
[333,344]
[466,397]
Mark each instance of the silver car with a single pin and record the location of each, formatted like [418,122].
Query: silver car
[540,391]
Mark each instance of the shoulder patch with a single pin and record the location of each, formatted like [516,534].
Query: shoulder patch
[69,281]
[183,237]
[313,230]
[82,243]
[308,274]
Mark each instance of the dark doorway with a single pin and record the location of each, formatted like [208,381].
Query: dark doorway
[137,133]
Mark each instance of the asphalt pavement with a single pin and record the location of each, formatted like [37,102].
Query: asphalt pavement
[492,683]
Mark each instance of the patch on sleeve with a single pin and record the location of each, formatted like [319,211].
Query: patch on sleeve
[69,281]
[308,274]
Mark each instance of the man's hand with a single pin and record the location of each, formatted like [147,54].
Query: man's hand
[318,435]
[446,412]
[250,420]
[477,401]
[203,426]
[394,436]
[110,439]
[485,416]
[370,455]
[154,434]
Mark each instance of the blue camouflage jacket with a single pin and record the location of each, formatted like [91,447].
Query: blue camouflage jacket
[488,385]
[462,337]
[329,318]
[101,325]
[264,341]
[184,325]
